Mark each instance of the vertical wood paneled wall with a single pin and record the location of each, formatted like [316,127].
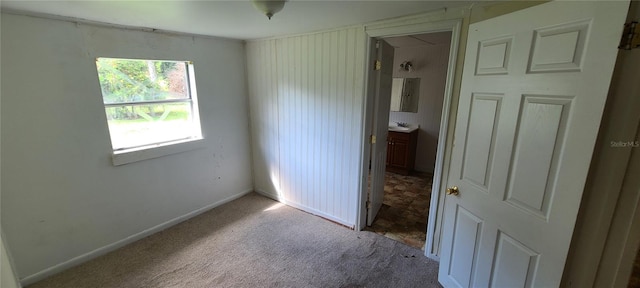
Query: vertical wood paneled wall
[306,104]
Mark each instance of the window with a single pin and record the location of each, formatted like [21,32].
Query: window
[148,103]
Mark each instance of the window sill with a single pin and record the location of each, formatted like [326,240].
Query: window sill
[155,151]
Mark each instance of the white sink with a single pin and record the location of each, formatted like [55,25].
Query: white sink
[402,129]
[398,128]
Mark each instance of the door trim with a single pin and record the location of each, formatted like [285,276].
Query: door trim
[623,241]
[432,245]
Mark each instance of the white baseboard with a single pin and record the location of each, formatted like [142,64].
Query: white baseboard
[306,209]
[267,194]
[28,280]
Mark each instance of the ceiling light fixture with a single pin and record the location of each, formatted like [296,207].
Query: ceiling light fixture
[268,7]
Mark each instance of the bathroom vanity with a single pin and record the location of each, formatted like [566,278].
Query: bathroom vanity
[401,149]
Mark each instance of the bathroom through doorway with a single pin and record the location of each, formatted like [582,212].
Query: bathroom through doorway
[420,66]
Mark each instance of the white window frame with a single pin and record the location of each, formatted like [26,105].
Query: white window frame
[127,155]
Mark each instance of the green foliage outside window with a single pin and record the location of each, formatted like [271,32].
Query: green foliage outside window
[130,81]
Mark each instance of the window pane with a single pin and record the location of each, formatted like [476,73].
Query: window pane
[138,125]
[126,80]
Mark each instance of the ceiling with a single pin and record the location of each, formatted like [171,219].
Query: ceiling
[419,40]
[232,19]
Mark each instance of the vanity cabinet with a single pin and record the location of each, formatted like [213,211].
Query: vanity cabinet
[401,151]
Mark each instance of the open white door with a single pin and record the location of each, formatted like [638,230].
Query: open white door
[533,90]
[384,76]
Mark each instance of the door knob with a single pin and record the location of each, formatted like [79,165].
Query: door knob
[453,190]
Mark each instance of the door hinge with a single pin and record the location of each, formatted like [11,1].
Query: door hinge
[368,204]
[630,36]
[373,139]
[377,65]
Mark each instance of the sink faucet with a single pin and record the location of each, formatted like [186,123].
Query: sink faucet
[402,124]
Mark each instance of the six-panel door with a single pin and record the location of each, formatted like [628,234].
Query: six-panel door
[534,87]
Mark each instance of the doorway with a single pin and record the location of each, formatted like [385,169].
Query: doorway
[420,64]
[434,221]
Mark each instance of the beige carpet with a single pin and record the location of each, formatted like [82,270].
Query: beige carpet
[255,242]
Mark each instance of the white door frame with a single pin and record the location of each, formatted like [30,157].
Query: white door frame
[439,176]
[623,240]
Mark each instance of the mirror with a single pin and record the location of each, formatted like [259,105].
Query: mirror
[405,93]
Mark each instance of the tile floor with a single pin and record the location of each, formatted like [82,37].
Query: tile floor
[403,216]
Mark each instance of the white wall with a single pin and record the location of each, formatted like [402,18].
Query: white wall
[61,196]
[7,274]
[431,63]
[306,101]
